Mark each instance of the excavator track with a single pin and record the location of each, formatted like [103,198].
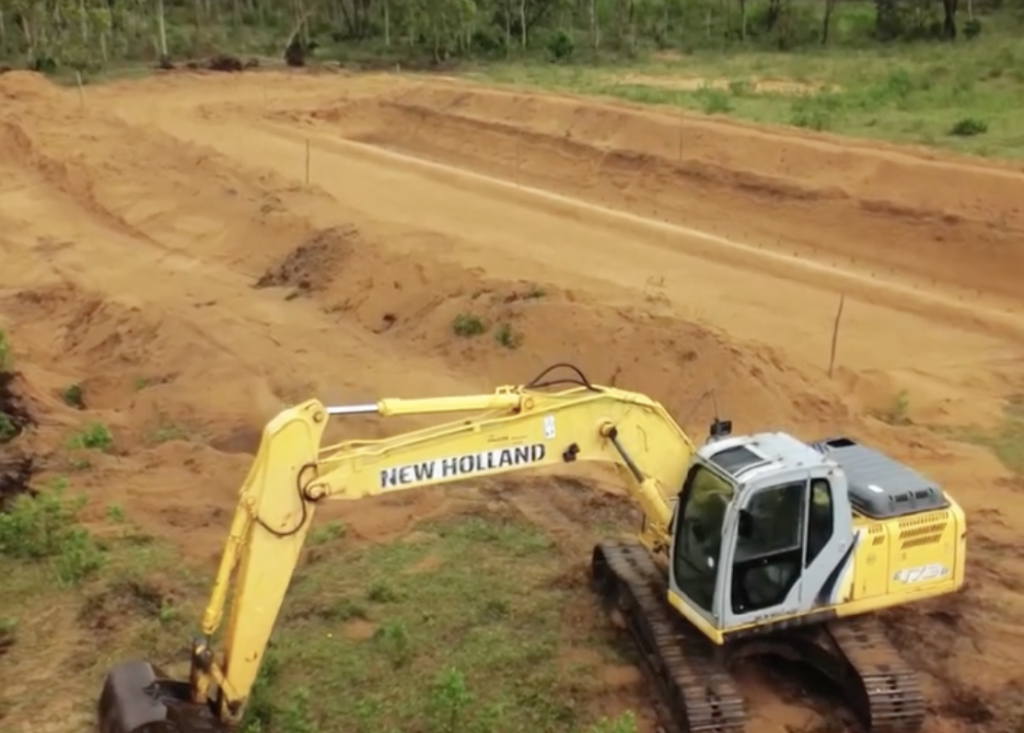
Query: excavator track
[887,689]
[697,694]
[879,687]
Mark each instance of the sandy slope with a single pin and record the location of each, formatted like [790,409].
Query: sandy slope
[134,230]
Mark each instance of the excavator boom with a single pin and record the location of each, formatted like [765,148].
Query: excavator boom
[512,429]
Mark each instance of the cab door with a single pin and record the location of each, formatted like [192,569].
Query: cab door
[790,548]
[762,559]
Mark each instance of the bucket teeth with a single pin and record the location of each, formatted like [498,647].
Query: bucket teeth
[139,698]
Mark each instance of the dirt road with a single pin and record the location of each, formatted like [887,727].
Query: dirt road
[160,246]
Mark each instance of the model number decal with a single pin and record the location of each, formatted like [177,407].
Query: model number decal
[921,573]
[456,466]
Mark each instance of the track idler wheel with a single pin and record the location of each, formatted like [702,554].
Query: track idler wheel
[139,698]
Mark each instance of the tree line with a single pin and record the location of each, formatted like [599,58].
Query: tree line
[48,34]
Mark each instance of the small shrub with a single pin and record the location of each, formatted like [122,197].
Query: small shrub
[507,337]
[535,292]
[897,414]
[811,119]
[741,87]
[96,436]
[972,28]
[115,514]
[713,101]
[394,641]
[467,325]
[46,528]
[168,432]
[79,463]
[381,592]
[968,127]
[561,47]
[5,353]
[8,430]
[325,533]
[625,723]
[449,698]
[72,396]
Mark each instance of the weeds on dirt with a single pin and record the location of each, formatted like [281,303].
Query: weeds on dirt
[6,361]
[467,325]
[8,430]
[508,337]
[45,528]
[898,411]
[1006,440]
[323,534]
[95,436]
[167,432]
[8,629]
[73,396]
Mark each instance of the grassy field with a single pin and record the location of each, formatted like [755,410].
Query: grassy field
[406,635]
[403,636]
[968,96]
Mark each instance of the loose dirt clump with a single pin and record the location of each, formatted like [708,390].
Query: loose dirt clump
[224,62]
[14,416]
[15,477]
[106,610]
[312,265]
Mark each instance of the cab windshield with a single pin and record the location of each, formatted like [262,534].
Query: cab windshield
[698,539]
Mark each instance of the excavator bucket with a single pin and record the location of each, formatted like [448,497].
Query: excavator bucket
[139,698]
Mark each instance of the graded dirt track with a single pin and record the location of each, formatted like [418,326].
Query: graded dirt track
[158,245]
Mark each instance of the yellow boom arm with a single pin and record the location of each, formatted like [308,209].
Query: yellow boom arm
[515,428]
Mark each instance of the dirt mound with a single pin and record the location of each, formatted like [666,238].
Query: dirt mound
[312,265]
[28,86]
[140,370]
[509,331]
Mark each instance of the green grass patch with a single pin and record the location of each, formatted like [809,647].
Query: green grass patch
[455,629]
[77,601]
[1005,440]
[966,96]
[468,325]
[6,357]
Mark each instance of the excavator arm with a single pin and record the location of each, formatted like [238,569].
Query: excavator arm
[512,429]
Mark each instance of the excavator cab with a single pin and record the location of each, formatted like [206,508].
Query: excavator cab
[762,533]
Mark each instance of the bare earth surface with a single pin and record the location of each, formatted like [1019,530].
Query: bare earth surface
[664,257]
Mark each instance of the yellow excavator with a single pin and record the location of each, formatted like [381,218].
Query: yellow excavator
[755,544]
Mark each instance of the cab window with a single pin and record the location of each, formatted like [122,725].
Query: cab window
[698,541]
[820,520]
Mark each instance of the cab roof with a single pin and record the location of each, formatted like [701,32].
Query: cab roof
[742,456]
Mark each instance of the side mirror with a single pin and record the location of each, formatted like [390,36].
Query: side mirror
[746,525]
